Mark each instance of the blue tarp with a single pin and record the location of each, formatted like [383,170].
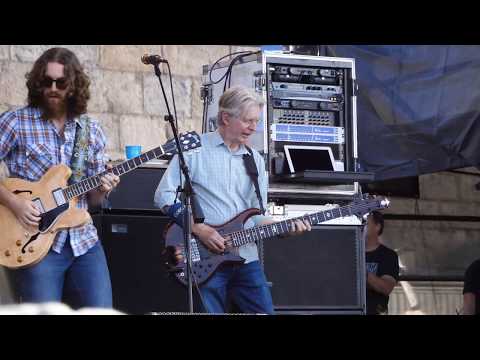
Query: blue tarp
[418,106]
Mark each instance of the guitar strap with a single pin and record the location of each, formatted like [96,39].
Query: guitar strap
[252,172]
[78,163]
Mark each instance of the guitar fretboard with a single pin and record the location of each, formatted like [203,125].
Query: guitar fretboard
[93,182]
[262,232]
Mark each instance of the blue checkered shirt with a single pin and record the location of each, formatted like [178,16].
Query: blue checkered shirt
[221,183]
[30,145]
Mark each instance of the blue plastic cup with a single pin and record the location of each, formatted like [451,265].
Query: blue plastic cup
[132,151]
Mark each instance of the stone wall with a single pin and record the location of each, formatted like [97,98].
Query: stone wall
[126,95]
[426,298]
[437,248]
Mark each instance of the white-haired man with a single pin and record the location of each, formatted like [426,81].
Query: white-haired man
[224,189]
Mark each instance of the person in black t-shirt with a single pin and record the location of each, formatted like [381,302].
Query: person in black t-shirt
[471,289]
[382,267]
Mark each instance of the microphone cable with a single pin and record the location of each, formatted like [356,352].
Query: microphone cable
[240,54]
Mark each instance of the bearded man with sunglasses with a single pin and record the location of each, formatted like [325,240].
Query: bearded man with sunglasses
[32,140]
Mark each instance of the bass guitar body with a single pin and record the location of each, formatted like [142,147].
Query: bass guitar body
[204,261]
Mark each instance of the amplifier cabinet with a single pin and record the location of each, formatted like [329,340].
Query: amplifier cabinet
[136,190]
[319,271]
[140,283]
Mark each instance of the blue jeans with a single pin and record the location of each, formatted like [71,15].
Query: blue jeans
[82,281]
[243,285]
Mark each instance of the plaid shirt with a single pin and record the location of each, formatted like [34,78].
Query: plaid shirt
[30,145]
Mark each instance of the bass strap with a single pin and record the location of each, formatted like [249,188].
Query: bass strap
[252,172]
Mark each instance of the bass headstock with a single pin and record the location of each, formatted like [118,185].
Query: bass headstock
[364,204]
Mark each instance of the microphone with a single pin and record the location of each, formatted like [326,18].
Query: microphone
[152,59]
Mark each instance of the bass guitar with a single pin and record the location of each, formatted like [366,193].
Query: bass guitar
[205,262]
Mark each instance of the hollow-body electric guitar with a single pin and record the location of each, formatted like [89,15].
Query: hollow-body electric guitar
[21,247]
[205,262]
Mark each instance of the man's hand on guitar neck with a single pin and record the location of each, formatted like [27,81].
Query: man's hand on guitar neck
[109,182]
[298,226]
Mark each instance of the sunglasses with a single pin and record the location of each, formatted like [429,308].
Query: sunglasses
[60,83]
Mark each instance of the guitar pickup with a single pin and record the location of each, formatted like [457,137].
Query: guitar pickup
[39,205]
[59,196]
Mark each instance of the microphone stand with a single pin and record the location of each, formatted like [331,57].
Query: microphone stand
[189,202]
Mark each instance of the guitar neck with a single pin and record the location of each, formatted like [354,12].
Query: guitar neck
[84,186]
[263,232]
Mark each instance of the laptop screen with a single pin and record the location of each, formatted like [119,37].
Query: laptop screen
[303,157]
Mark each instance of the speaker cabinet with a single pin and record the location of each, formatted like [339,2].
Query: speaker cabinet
[140,284]
[136,190]
[321,271]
